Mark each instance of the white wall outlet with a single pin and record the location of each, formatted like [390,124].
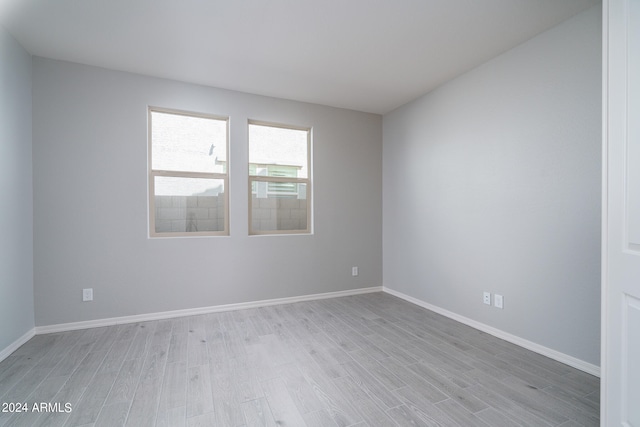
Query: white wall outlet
[498,301]
[87,294]
[486,298]
[354,271]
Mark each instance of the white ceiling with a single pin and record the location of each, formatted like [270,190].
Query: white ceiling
[367,55]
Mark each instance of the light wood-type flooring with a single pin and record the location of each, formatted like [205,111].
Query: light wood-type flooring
[364,360]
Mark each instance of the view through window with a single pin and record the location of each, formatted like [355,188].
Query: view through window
[188,174]
[279,179]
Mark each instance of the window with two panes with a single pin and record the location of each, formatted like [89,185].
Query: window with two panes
[188,176]
[279,179]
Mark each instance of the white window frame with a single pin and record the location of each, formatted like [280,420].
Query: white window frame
[153,173]
[267,179]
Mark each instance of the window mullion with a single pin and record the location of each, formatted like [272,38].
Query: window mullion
[278,179]
[186,174]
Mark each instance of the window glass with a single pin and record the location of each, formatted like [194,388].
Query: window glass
[273,147]
[188,174]
[279,174]
[188,143]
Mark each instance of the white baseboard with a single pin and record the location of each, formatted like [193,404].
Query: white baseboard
[16,344]
[545,351]
[196,311]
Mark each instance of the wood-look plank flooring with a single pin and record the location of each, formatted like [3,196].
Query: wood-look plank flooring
[366,360]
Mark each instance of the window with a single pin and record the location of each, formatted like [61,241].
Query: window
[279,179]
[188,176]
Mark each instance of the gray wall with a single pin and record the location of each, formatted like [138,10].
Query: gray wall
[90,199]
[492,183]
[16,192]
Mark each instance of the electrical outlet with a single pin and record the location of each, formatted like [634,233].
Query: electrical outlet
[87,294]
[498,301]
[354,271]
[486,298]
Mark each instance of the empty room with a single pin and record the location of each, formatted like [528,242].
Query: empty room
[261,213]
